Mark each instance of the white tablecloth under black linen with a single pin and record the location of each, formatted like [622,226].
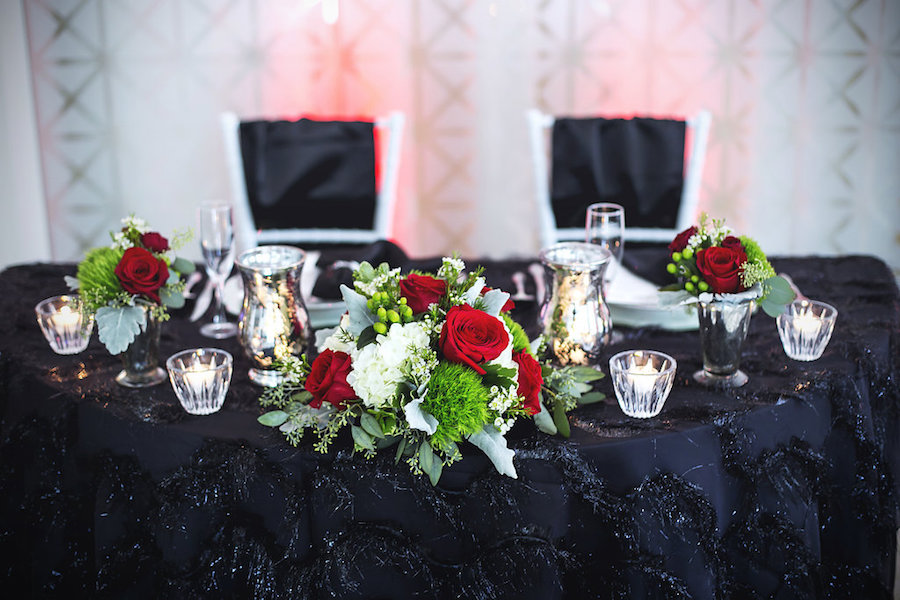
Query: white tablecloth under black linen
[786,488]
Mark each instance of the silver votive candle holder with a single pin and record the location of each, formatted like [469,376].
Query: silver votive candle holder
[805,328]
[642,380]
[200,378]
[66,327]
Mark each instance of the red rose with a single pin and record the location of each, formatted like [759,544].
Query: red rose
[154,242]
[471,336]
[681,240]
[732,243]
[421,291]
[721,268]
[140,272]
[508,306]
[530,381]
[327,379]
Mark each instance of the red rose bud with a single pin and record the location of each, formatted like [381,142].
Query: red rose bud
[732,243]
[140,272]
[154,242]
[681,240]
[471,336]
[530,381]
[721,268]
[327,380]
[421,291]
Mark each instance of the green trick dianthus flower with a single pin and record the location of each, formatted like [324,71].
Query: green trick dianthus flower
[459,402]
[96,275]
[520,338]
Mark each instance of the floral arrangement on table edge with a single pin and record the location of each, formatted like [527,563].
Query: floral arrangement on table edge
[137,271]
[423,362]
[712,264]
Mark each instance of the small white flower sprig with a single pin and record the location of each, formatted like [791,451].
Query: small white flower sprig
[421,363]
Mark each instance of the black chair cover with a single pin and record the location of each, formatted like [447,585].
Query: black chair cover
[310,174]
[638,163]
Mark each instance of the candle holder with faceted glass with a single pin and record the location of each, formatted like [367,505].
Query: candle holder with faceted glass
[805,329]
[66,327]
[200,378]
[642,380]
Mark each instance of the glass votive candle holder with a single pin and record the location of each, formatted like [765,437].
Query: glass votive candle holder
[66,327]
[200,378]
[805,328]
[642,380]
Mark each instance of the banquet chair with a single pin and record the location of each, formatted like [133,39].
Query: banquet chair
[311,182]
[657,205]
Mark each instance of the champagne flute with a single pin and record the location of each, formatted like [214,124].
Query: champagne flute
[217,243]
[605,226]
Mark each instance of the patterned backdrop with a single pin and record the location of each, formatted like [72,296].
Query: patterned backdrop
[805,98]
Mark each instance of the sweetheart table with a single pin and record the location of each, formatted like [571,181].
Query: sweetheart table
[785,488]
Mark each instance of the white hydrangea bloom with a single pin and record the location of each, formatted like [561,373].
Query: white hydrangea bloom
[380,367]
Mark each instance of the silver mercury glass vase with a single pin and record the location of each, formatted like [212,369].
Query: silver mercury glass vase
[140,361]
[273,316]
[574,315]
[723,328]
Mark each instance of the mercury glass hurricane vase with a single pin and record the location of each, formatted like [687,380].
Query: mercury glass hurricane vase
[574,315]
[274,318]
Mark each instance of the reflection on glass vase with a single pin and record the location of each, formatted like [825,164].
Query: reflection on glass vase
[723,329]
[140,361]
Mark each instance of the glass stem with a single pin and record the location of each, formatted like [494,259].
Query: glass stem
[219,314]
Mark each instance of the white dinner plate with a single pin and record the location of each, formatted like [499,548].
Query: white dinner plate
[634,302]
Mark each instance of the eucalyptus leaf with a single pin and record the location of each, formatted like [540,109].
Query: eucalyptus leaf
[172,299]
[585,374]
[273,418]
[426,457]
[365,271]
[301,396]
[778,290]
[386,442]
[544,421]
[361,438]
[493,444]
[183,266]
[400,450]
[561,420]
[591,398]
[72,282]
[360,316]
[451,449]
[370,424]
[117,327]
[434,473]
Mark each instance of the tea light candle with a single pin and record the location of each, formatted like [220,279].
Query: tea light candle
[200,378]
[642,380]
[642,376]
[805,329]
[63,325]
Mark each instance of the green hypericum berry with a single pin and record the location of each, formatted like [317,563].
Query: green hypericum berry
[672,268]
[702,286]
[402,300]
[687,253]
[380,327]
[370,303]
[689,286]
[695,278]
[676,256]
[382,313]
[393,316]
[406,311]
[406,318]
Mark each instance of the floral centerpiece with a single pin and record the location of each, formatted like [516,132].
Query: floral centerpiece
[423,362]
[133,276]
[710,263]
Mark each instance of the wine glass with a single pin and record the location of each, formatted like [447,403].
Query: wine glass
[217,243]
[605,226]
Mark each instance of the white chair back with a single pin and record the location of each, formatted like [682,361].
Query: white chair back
[540,124]
[249,236]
